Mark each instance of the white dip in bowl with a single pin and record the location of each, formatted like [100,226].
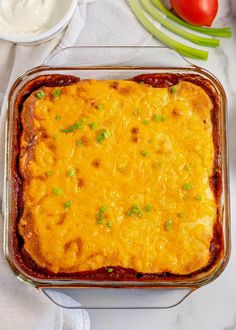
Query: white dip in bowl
[34,21]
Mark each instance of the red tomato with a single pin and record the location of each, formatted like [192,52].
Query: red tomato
[196,12]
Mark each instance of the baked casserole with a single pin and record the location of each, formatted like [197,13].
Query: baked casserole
[118,179]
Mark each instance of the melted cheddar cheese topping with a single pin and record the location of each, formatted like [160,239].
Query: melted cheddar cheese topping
[116,173]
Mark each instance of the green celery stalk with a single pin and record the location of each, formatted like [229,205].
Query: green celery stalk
[221,32]
[181,48]
[209,42]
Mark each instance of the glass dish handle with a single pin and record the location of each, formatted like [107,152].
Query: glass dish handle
[136,56]
[100,298]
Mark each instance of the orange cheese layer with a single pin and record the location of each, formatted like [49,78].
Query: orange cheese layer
[116,173]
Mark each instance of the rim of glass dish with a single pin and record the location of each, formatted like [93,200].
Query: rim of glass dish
[73,283]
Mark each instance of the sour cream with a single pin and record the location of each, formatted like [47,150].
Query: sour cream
[31,16]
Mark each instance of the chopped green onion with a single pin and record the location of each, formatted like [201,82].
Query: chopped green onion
[73,128]
[100,214]
[107,134]
[144,153]
[58,117]
[148,208]
[218,32]
[187,186]
[140,214]
[109,224]
[159,118]
[103,209]
[68,204]
[173,89]
[146,122]
[134,210]
[100,107]
[93,125]
[110,270]
[103,135]
[180,215]
[198,198]
[49,173]
[40,95]
[71,172]
[156,32]
[209,42]
[57,93]
[168,225]
[58,191]
[84,120]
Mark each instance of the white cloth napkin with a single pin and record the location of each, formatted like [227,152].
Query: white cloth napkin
[101,22]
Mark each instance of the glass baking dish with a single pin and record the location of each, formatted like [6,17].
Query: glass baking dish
[115,63]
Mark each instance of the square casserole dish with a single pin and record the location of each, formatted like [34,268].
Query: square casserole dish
[118,63]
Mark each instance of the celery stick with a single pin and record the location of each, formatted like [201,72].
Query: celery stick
[182,49]
[209,42]
[222,32]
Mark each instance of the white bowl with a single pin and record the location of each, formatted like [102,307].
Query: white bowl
[31,39]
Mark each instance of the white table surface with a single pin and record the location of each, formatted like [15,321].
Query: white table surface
[212,307]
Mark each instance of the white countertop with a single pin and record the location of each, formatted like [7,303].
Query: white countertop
[212,307]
